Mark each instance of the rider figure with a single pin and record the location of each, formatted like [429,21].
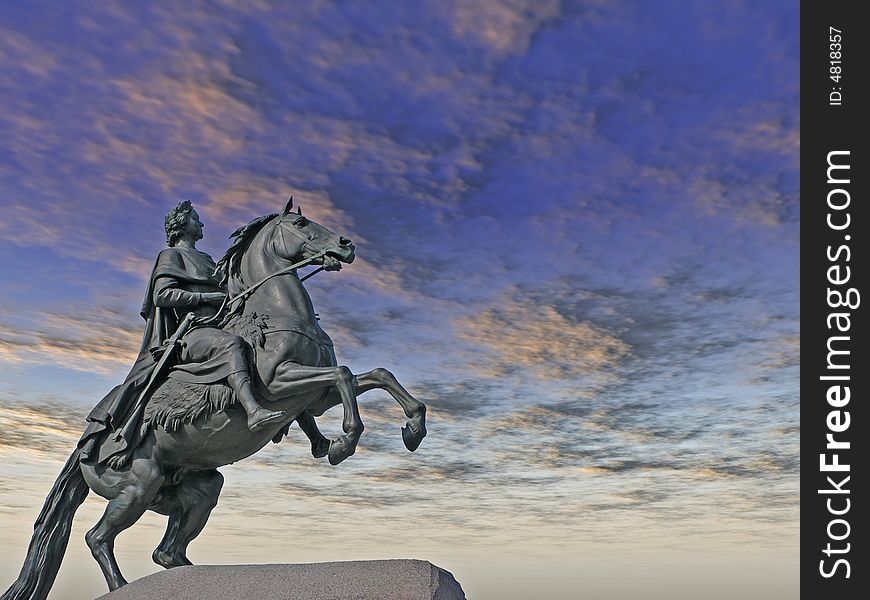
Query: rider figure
[184,282]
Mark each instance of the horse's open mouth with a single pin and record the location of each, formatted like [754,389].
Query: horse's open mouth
[331,263]
[335,256]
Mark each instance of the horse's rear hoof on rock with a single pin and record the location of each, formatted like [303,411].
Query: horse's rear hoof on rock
[169,561]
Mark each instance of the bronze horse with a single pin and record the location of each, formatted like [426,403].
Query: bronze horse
[174,470]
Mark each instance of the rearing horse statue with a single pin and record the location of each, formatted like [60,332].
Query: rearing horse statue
[173,470]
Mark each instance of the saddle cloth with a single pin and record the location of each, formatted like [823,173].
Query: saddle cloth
[175,403]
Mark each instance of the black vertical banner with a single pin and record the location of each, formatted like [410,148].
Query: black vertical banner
[835,223]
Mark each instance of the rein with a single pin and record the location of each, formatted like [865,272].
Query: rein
[228,302]
[250,289]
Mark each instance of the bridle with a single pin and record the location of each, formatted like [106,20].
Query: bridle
[245,293]
[251,288]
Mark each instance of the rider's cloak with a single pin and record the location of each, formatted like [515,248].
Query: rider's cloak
[177,268]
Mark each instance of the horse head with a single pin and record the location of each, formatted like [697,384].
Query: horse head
[297,237]
[285,238]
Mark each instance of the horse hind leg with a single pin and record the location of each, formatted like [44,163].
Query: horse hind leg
[188,504]
[133,489]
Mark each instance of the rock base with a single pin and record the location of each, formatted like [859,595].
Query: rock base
[355,580]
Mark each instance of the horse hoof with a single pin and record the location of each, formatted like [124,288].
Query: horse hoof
[412,438]
[169,561]
[320,448]
[339,449]
[116,583]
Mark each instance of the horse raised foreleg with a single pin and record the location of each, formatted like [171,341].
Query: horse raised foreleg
[292,379]
[188,505]
[415,429]
[319,443]
[415,411]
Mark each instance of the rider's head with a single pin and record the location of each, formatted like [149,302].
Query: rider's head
[178,222]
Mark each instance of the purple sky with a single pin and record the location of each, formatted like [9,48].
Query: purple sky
[577,229]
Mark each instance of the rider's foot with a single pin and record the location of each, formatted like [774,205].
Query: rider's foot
[261,418]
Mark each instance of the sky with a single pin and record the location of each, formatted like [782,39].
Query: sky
[577,236]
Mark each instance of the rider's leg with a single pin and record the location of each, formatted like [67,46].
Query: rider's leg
[228,353]
[258,417]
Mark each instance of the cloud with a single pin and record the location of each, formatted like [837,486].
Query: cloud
[50,428]
[506,27]
[21,52]
[89,341]
[459,400]
[523,334]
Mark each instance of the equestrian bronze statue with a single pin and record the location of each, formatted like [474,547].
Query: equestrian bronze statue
[232,355]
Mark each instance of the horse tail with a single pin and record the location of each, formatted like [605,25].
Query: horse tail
[50,534]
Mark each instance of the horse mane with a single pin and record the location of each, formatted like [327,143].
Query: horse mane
[228,266]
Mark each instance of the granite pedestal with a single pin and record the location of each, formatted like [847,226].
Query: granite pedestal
[355,580]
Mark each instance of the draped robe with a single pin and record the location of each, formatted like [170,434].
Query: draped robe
[179,277]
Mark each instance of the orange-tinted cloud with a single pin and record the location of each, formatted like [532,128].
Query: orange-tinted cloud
[525,334]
